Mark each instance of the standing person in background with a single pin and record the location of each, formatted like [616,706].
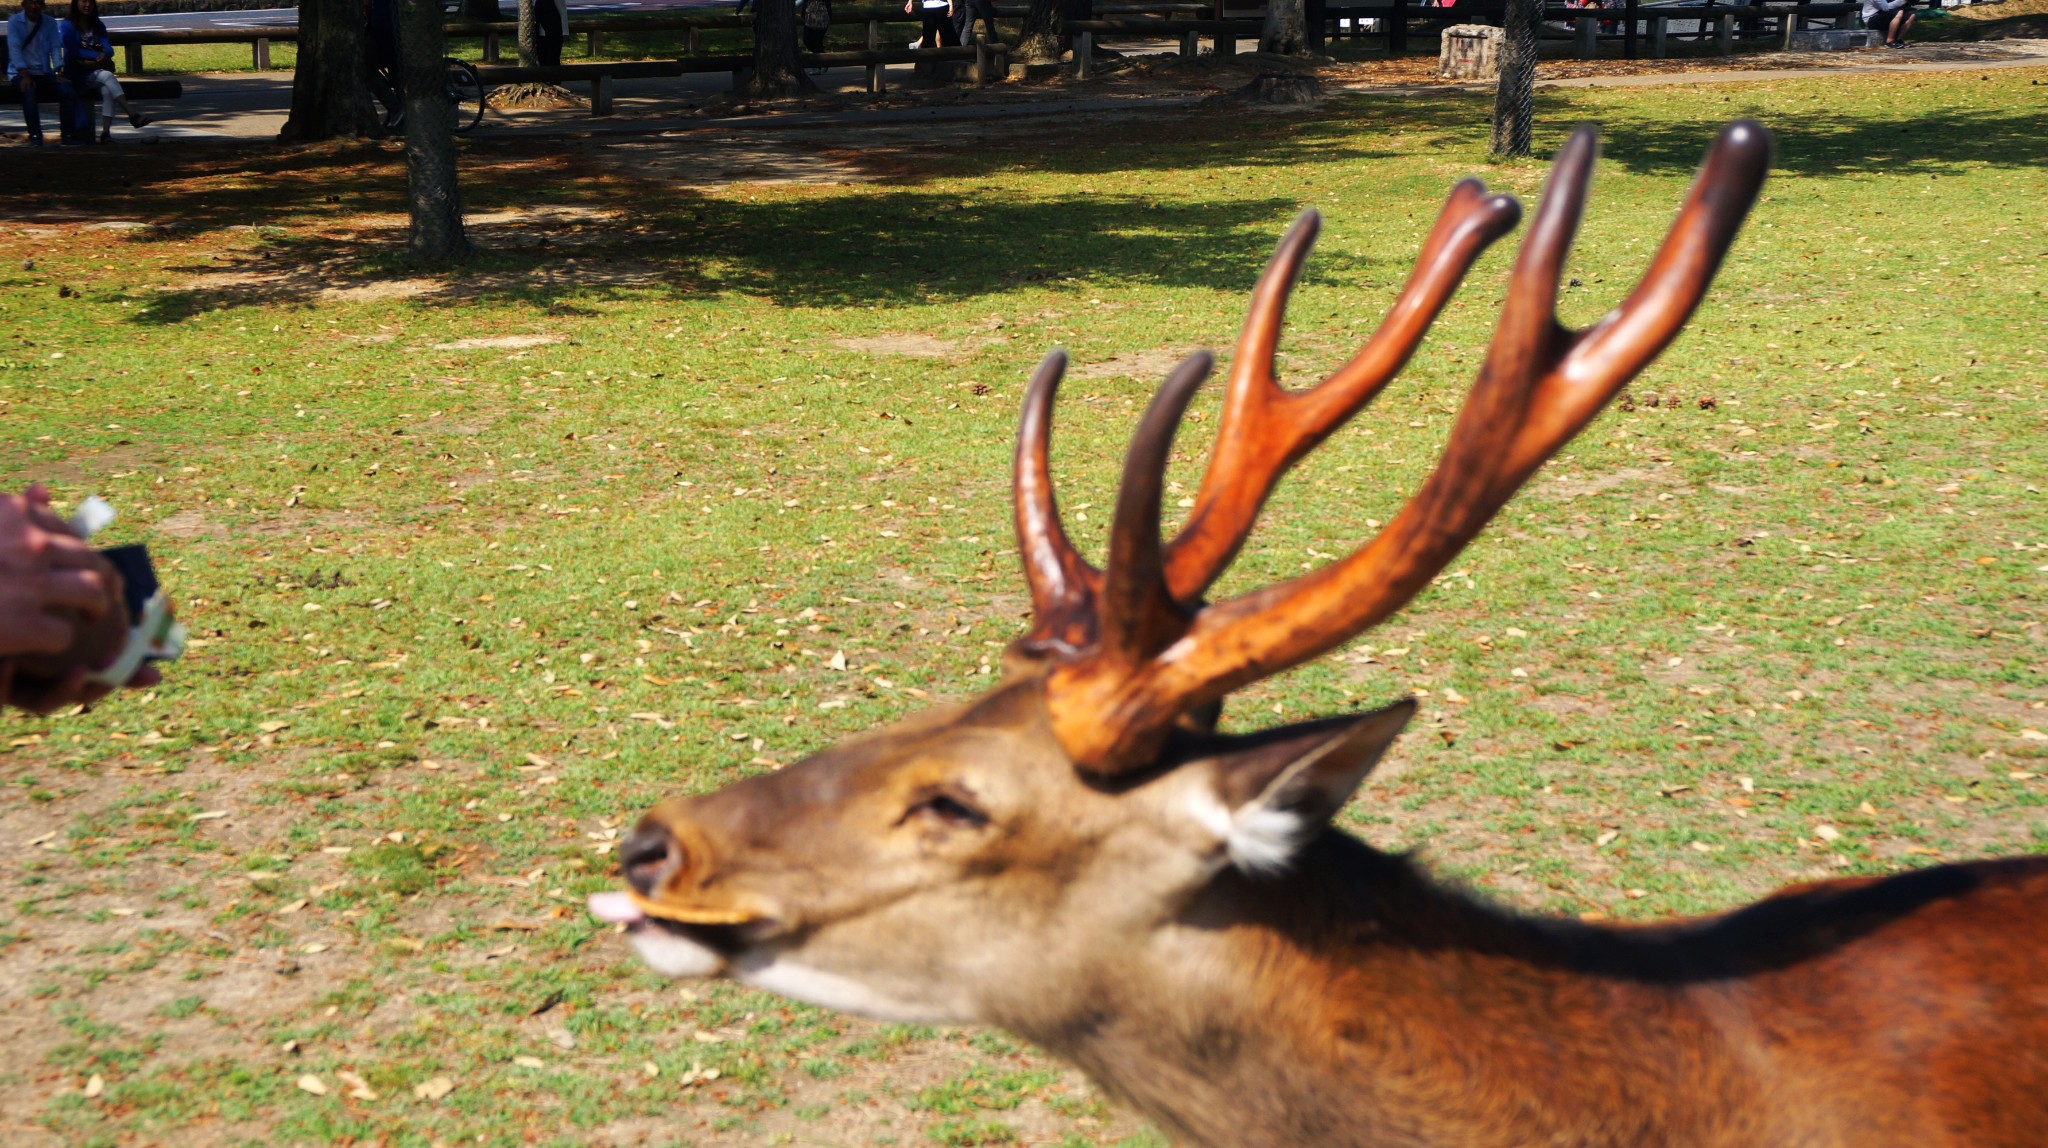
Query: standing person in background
[969,10]
[938,22]
[35,59]
[380,47]
[1890,18]
[550,29]
[92,70]
[816,18]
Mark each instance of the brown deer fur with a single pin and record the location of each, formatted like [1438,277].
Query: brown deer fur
[1169,907]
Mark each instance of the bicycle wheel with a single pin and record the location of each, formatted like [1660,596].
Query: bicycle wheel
[465,96]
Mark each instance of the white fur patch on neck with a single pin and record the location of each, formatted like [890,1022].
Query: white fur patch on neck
[780,974]
[1259,839]
[674,956]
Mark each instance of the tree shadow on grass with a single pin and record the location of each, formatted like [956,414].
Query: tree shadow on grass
[890,247]
[566,222]
[1933,140]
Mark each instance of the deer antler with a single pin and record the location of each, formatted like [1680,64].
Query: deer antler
[1134,648]
[1264,430]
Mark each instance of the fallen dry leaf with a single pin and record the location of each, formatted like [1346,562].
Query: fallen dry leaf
[312,1084]
[210,815]
[529,1062]
[95,1085]
[434,1089]
[358,1088]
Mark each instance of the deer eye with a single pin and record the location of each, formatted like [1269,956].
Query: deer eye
[950,809]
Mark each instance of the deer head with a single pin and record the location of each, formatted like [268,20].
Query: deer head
[1005,860]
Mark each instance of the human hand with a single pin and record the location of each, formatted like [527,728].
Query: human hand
[44,697]
[50,580]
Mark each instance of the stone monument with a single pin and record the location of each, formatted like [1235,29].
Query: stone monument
[1470,52]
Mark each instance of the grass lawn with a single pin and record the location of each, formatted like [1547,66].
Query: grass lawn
[684,479]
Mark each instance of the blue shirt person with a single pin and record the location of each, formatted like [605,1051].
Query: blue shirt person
[36,53]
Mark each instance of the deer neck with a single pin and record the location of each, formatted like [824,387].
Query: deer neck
[1354,1002]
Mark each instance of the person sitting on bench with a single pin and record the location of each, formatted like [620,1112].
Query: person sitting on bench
[92,69]
[1889,18]
[35,64]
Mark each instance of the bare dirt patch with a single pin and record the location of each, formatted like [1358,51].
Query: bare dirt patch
[190,524]
[716,161]
[917,346]
[1145,366]
[498,341]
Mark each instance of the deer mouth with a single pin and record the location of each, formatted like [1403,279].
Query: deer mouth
[676,941]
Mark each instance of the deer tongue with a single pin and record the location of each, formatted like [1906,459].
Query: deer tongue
[616,907]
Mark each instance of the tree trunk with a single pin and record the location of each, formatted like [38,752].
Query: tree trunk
[485,10]
[1286,29]
[776,70]
[1045,29]
[1514,95]
[529,50]
[431,193]
[330,89]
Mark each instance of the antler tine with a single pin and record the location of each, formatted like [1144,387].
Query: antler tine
[1613,350]
[1139,615]
[1539,385]
[1466,488]
[1062,582]
[1264,429]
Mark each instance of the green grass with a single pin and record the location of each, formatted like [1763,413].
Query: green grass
[464,611]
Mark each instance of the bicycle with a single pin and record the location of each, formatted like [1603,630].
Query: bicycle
[464,88]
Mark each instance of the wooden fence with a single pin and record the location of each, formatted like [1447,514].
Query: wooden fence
[1629,22]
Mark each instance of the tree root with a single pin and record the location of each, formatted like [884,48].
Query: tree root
[534,96]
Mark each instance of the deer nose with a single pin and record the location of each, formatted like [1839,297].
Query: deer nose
[649,855]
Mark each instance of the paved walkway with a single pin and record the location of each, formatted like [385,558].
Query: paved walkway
[252,105]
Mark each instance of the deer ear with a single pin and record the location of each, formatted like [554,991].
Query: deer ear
[1280,792]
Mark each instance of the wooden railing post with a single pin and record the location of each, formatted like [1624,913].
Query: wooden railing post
[1190,45]
[691,45]
[590,46]
[1724,35]
[874,44]
[1629,29]
[131,59]
[1084,55]
[1587,31]
[490,47]
[601,96]
[1397,30]
[1658,27]
[259,55]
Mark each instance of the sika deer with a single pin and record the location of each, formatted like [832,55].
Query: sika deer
[1079,857]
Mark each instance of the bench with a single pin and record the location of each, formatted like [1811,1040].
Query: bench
[990,61]
[46,91]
